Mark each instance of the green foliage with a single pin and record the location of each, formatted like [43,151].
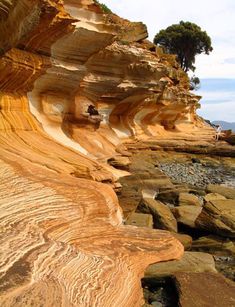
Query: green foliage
[186,40]
[104,7]
[194,83]
[124,42]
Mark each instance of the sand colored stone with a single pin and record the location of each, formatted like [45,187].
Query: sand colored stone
[213,196]
[162,215]
[187,199]
[218,217]
[67,241]
[64,242]
[214,245]
[191,262]
[187,215]
[222,190]
[140,220]
[204,289]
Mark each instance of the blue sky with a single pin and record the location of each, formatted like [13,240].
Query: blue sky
[217,17]
[218,99]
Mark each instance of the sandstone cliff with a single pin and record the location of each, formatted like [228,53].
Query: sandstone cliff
[63,240]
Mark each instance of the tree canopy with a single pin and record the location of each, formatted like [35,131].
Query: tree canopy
[186,40]
[194,83]
[104,7]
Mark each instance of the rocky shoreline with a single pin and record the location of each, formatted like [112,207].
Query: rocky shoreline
[193,197]
[198,174]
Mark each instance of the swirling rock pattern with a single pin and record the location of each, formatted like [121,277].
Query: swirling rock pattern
[63,243]
[62,236]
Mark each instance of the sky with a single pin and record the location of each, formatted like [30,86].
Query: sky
[217,18]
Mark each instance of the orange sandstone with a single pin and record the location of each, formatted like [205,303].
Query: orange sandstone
[63,241]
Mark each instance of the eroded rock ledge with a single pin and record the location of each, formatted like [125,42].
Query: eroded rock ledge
[63,240]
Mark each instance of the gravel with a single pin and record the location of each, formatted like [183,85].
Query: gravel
[197,174]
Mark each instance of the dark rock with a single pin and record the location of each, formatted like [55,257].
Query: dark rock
[160,292]
[231,139]
[204,290]
[215,245]
[195,160]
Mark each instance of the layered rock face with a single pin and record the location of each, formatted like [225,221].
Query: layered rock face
[63,240]
[62,56]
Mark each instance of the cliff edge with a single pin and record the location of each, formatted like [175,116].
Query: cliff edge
[63,240]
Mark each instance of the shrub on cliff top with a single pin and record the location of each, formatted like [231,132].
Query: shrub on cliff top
[104,7]
[186,40]
[194,83]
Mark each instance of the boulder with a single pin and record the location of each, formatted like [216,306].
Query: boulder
[162,215]
[140,220]
[225,191]
[187,199]
[193,262]
[213,196]
[230,139]
[184,239]
[218,217]
[204,289]
[171,194]
[187,215]
[214,245]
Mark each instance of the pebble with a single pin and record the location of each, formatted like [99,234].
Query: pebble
[196,174]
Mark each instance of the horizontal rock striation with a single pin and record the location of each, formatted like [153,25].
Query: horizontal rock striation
[63,241]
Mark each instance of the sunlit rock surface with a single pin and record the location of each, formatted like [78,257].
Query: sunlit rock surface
[63,242]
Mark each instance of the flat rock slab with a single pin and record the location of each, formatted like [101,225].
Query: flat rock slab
[140,220]
[187,199]
[162,215]
[225,191]
[194,262]
[214,245]
[213,196]
[218,217]
[187,215]
[205,290]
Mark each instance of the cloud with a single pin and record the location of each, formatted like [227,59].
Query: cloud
[214,16]
[230,60]
[218,99]
[215,112]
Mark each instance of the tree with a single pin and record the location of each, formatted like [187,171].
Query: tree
[194,83]
[104,7]
[186,40]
